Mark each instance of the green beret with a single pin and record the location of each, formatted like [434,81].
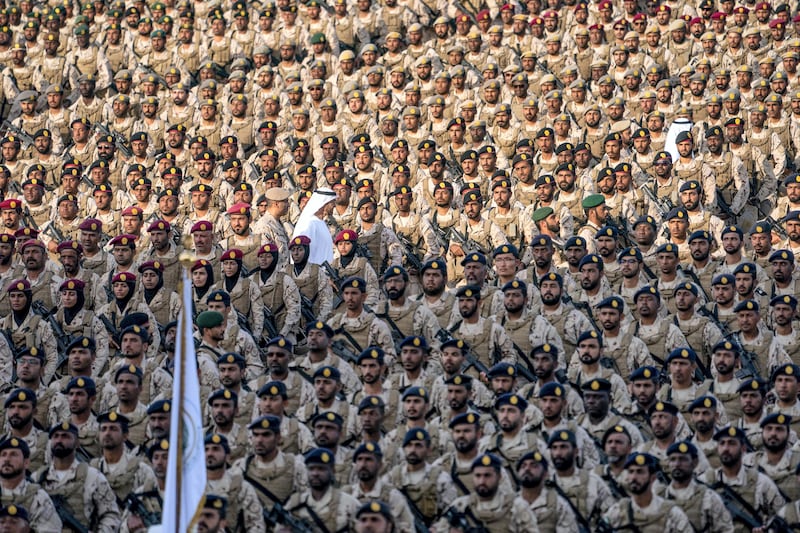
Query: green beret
[542,213]
[209,319]
[593,200]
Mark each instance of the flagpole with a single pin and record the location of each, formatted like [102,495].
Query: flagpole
[184,501]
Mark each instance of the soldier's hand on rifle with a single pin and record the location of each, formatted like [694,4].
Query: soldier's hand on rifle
[457,250]
[52,247]
[135,523]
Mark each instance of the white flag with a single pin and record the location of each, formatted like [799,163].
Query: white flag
[186,471]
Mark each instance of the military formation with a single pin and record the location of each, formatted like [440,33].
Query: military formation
[559,292]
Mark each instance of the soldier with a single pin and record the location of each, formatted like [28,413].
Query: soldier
[487,340]
[86,494]
[644,508]
[245,502]
[368,459]
[430,494]
[745,484]
[236,335]
[512,440]
[406,316]
[224,408]
[273,400]
[355,325]
[123,470]
[553,511]
[777,459]
[588,495]
[28,328]
[20,491]
[20,406]
[274,475]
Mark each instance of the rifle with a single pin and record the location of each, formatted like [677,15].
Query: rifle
[54,232]
[747,358]
[740,510]
[441,235]
[466,243]
[279,515]
[65,514]
[622,230]
[724,207]
[419,518]
[112,330]
[583,524]
[337,282]
[62,339]
[411,254]
[25,139]
[136,506]
[381,157]
[307,308]
[119,140]
[28,219]
[339,348]
[524,370]
[270,324]
[453,166]
[459,520]
[768,218]
[696,280]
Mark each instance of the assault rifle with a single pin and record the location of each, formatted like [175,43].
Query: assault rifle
[25,139]
[411,254]
[119,140]
[65,514]
[270,323]
[341,349]
[467,243]
[136,506]
[461,521]
[740,510]
[62,339]
[307,308]
[747,358]
[278,515]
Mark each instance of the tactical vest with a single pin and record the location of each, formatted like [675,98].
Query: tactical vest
[723,176]
[219,51]
[577,494]
[27,336]
[519,331]
[229,343]
[461,477]
[526,196]
[122,483]
[361,335]
[289,441]
[547,517]
[785,479]
[279,481]
[638,521]
[240,300]
[691,506]
[761,350]
[595,142]
[82,328]
[191,58]
[702,225]
[480,344]
[404,319]
[782,130]
[73,494]
[25,500]
[681,53]
[272,296]
[423,495]
[308,285]
[620,354]
[508,223]
[243,129]
[559,322]
[115,56]
[575,209]
[694,336]
[85,62]
[655,343]
[373,243]
[41,291]
[52,69]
